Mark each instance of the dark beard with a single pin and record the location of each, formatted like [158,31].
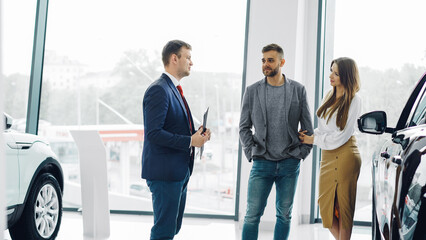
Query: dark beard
[272,73]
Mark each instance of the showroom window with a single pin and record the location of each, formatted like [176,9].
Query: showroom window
[382,37]
[101,56]
[17,40]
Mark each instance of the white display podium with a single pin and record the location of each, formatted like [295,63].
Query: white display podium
[94,184]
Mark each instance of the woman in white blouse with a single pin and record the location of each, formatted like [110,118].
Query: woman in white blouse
[340,159]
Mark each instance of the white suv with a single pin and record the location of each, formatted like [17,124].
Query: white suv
[34,186]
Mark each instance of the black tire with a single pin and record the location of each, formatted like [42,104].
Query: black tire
[49,213]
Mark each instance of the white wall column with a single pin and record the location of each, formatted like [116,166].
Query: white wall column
[293,25]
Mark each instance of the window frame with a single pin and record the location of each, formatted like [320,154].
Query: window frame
[34,100]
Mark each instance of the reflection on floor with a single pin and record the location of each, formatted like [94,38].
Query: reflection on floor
[131,227]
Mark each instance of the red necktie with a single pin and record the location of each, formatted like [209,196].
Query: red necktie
[179,87]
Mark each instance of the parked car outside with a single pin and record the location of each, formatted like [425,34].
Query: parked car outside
[399,170]
[139,189]
[34,186]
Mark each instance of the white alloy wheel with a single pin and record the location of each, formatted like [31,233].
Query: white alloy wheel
[46,211]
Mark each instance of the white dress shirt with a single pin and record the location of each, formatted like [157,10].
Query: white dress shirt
[328,136]
[174,80]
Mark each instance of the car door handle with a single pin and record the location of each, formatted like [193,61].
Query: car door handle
[22,146]
[385,155]
[397,160]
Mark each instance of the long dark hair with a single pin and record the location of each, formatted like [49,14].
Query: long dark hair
[349,78]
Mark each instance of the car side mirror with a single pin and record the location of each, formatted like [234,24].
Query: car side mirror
[7,122]
[373,122]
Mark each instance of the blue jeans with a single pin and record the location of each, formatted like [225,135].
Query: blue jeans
[168,202]
[263,175]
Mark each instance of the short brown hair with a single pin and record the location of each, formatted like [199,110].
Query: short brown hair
[173,47]
[273,47]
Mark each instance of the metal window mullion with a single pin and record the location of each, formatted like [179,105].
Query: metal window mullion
[33,108]
[318,94]
[243,86]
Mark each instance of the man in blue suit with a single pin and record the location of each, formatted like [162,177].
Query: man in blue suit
[170,138]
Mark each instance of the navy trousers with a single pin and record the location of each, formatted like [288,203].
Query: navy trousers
[168,202]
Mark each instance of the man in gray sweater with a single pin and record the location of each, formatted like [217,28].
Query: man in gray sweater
[274,106]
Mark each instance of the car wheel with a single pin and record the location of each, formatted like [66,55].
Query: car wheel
[42,214]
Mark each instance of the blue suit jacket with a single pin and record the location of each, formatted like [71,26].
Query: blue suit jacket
[166,153]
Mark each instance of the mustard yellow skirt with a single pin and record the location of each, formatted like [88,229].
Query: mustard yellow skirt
[338,178]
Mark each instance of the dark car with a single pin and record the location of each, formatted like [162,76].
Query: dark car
[399,170]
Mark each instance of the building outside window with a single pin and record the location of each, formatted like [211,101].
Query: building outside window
[387,41]
[17,40]
[97,68]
